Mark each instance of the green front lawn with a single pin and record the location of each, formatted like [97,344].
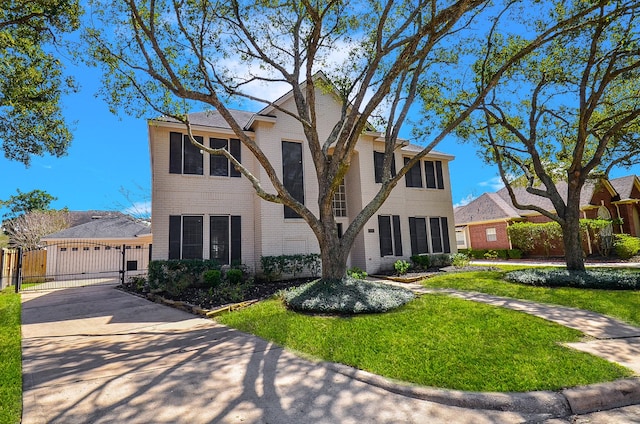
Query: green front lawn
[436,341]
[621,304]
[10,357]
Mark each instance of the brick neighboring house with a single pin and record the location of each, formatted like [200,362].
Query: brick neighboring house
[482,224]
[203,208]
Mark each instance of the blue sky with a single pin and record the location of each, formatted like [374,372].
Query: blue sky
[110,153]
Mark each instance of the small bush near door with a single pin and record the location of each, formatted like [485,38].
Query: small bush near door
[626,246]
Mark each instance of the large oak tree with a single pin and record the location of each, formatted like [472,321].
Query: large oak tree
[31,76]
[568,113]
[167,56]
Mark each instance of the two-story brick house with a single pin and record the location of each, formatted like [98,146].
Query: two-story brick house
[203,208]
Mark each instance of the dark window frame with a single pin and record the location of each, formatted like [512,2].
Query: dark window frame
[389,235]
[413,177]
[219,166]
[293,174]
[433,173]
[419,235]
[186,239]
[439,234]
[378,164]
[183,155]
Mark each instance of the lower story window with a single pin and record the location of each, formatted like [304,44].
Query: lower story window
[390,235]
[225,239]
[185,237]
[491,234]
[439,227]
[418,234]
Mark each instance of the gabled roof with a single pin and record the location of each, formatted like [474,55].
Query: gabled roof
[498,205]
[624,186]
[213,118]
[488,207]
[82,217]
[104,228]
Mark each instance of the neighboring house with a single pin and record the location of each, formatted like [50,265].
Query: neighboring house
[482,224]
[94,248]
[203,208]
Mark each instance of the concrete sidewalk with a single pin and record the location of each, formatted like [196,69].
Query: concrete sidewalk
[99,355]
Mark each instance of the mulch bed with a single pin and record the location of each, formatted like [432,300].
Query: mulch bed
[200,296]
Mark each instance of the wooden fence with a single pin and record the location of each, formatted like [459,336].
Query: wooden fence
[8,267]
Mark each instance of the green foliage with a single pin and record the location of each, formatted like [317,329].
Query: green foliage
[401,266]
[514,254]
[440,260]
[31,78]
[356,273]
[421,261]
[499,253]
[590,279]
[234,276]
[347,296]
[626,246]
[10,357]
[460,260]
[175,275]
[212,278]
[491,255]
[460,344]
[526,236]
[23,203]
[274,267]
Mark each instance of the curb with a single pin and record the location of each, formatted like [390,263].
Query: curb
[563,403]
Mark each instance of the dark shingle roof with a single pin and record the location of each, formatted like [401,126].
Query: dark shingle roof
[82,217]
[213,119]
[119,227]
[624,186]
[487,207]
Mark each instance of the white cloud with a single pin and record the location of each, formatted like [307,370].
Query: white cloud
[139,209]
[465,201]
[494,184]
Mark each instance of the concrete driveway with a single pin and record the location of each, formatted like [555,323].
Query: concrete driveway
[98,355]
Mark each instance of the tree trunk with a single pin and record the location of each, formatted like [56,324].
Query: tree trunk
[571,233]
[334,258]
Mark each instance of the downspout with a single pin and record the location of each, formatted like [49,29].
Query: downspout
[619,219]
[584,215]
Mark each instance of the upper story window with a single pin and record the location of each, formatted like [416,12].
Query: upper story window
[219,165]
[340,201]
[413,177]
[433,172]
[292,174]
[184,157]
[378,163]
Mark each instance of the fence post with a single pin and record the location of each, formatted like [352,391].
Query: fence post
[124,263]
[18,276]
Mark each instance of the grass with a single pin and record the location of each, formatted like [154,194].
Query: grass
[10,357]
[621,304]
[438,341]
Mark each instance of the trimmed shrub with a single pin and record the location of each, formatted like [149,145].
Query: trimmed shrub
[590,279]
[212,277]
[235,276]
[441,260]
[401,266]
[626,246]
[491,254]
[357,273]
[514,253]
[421,261]
[460,260]
[346,297]
[273,267]
[173,276]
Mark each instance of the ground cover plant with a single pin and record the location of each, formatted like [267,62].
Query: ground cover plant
[591,279]
[347,296]
[10,357]
[621,304]
[438,341]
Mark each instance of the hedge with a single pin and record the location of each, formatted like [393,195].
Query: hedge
[626,246]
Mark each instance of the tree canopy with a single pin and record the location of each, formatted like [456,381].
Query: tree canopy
[387,61]
[23,203]
[31,76]
[567,113]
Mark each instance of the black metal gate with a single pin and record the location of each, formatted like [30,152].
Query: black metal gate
[80,263]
